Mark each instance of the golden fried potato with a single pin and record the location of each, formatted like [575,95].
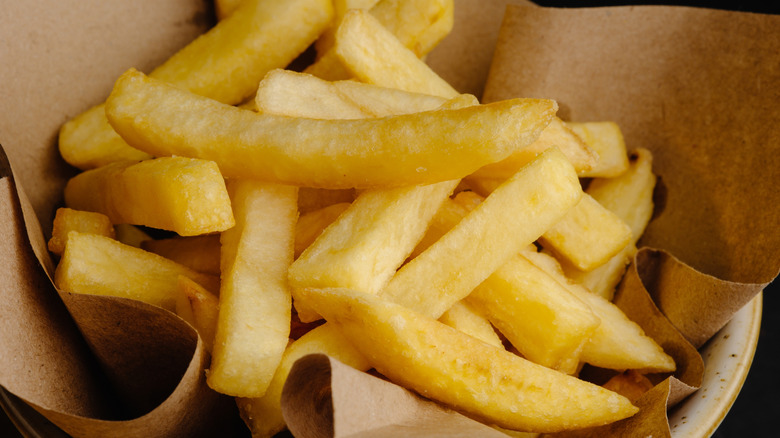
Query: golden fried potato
[418,148]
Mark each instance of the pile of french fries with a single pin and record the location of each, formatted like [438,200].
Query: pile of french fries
[448,244]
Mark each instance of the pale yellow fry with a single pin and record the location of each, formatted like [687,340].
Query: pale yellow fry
[555,134]
[179,194]
[606,139]
[374,55]
[68,219]
[589,235]
[364,247]
[226,63]
[311,225]
[418,25]
[340,7]
[511,218]
[285,92]
[617,343]
[264,415]
[630,197]
[466,318]
[447,365]
[98,265]
[540,318]
[200,308]
[255,300]
[418,148]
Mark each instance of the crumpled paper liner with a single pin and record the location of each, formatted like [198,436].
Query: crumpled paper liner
[697,87]
[381,410]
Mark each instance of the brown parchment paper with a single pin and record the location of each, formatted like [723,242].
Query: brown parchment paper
[382,409]
[694,86]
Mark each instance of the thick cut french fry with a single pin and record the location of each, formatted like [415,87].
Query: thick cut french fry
[464,317]
[417,24]
[340,7]
[418,148]
[200,308]
[264,415]
[288,93]
[255,300]
[617,343]
[98,265]
[179,194]
[225,64]
[511,218]
[311,225]
[630,197]
[364,247]
[374,55]
[557,134]
[588,236]
[446,365]
[68,219]
[540,318]
[200,253]
[606,139]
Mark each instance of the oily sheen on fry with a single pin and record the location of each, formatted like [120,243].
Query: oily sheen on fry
[418,148]
[446,365]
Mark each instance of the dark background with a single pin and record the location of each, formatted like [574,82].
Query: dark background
[759,400]
[758,404]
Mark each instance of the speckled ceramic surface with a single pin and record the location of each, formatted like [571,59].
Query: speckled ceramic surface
[727,358]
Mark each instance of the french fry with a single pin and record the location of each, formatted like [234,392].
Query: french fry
[588,236]
[557,134]
[606,139]
[630,197]
[180,194]
[418,148]
[311,225]
[68,219]
[98,265]
[254,299]
[617,343]
[200,253]
[200,308]
[294,94]
[340,7]
[630,384]
[417,24]
[374,55]
[225,64]
[446,365]
[464,317]
[365,246]
[511,218]
[540,318]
